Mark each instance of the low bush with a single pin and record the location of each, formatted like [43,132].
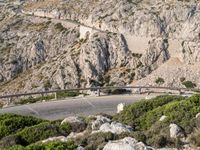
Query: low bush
[42,131]
[195,138]
[144,117]
[54,145]
[159,81]
[34,99]
[11,123]
[116,91]
[189,84]
[134,111]
[96,140]
[9,141]
[179,112]
[67,94]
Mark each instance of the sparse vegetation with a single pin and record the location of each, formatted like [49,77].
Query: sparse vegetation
[159,81]
[34,99]
[59,27]
[189,84]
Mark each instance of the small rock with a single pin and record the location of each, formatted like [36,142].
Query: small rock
[99,121]
[80,148]
[198,115]
[162,118]
[72,119]
[120,107]
[176,131]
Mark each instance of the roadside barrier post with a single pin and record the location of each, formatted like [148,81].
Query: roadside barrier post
[98,92]
[55,94]
[140,90]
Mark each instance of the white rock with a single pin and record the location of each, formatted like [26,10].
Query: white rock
[198,115]
[73,119]
[120,107]
[162,118]
[74,135]
[80,148]
[114,127]
[127,143]
[99,121]
[59,138]
[176,131]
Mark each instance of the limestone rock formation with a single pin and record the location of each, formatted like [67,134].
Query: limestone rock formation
[96,124]
[120,107]
[114,127]
[58,138]
[60,44]
[176,131]
[127,143]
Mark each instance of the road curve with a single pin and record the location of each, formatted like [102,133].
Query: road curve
[84,106]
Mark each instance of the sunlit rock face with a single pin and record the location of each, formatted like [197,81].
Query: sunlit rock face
[104,43]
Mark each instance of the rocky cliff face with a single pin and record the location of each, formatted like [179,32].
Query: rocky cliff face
[104,43]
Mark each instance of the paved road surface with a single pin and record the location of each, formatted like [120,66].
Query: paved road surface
[80,106]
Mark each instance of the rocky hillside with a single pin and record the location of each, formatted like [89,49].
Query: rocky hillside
[57,44]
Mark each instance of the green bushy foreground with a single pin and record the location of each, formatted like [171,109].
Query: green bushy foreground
[144,117]
[24,132]
[55,145]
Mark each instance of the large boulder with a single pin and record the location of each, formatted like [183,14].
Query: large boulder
[114,127]
[127,143]
[176,131]
[99,121]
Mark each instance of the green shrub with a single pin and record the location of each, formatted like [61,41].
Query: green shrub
[11,123]
[132,112]
[9,141]
[66,127]
[158,135]
[67,94]
[59,27]
[34,100]
[17,147]
[42,131]
[96,140]
[160,81]
[189,84]
[54,145]
[195,138]
[180,112]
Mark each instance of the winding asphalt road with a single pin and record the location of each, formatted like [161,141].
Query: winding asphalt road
[84,106]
